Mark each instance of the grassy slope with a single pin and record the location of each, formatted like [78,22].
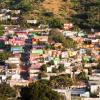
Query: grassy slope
[59,8]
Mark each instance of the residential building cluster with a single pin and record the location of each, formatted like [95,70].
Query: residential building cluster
[28,53]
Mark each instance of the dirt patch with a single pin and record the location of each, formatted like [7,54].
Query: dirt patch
[52,5]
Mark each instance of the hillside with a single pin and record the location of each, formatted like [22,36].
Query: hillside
[53,5]
[48,9]
[57,7]
[83,13]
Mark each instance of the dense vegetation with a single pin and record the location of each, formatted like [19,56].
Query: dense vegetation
[61,81]
[58,37]
[88,13]
[6,92]
[4,56]
[39,91]
[1,30]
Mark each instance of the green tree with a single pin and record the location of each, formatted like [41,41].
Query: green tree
[1,30]
[56,23]
[43,81]
[74,69]
[54,70]
[51,62]
[90,71]
[61,81]
[38,91]
[4,55]
[41,75]
[87,14]
[82,76]
[6,92]
[61,68]
[47,46]
[56,36]
[24,5]
[43,68]
[69,43]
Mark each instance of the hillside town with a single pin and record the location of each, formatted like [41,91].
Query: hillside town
[31,54]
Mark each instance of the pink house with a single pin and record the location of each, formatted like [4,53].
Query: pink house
[15,41]
[36,65]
